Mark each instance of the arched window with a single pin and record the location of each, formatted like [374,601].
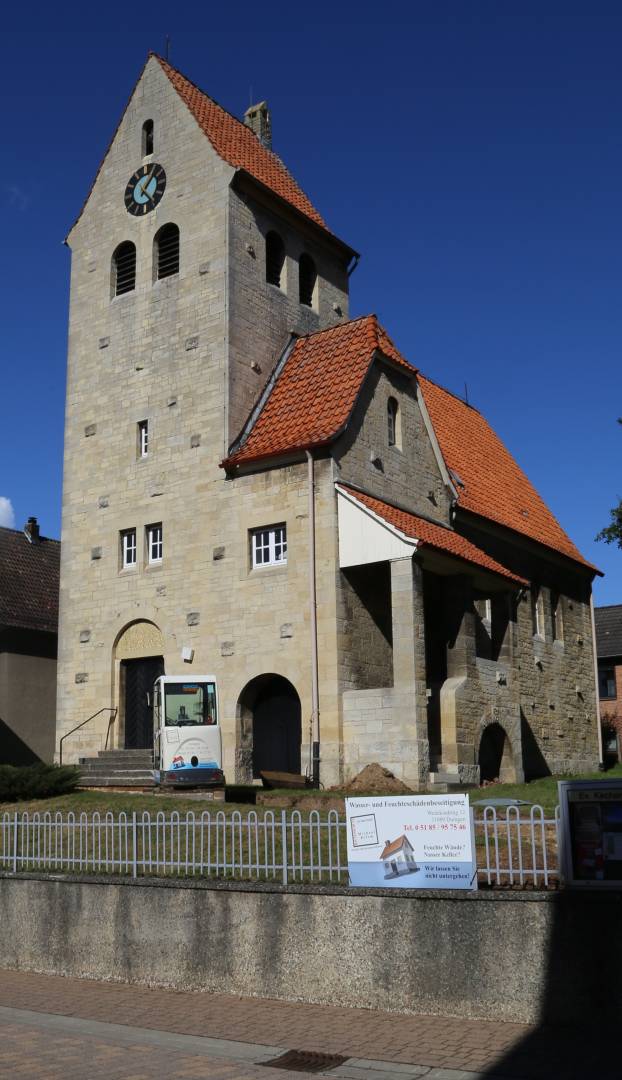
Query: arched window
[166,251]
[393,423]
[124,268]
[307,277]
[147,138]
[275,259]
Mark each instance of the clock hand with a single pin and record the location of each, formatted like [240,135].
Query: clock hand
[146,183]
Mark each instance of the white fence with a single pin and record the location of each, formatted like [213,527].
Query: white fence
[286,847]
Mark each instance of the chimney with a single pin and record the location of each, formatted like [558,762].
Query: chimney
[257,118]
[31,530]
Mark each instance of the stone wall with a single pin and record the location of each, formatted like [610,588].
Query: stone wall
[410,475]
[504,956]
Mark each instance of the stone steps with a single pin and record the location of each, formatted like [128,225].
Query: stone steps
[118,768]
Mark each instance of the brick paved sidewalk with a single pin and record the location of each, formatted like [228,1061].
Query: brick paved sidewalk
[477,1046]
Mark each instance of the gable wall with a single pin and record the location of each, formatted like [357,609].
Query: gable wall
[407,475]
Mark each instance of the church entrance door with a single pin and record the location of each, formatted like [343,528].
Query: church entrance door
[139,677]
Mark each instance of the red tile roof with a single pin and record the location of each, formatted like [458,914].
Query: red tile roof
[395,845]
[29,581]
[313,396]
[434,536]
[236,144]
[495,487]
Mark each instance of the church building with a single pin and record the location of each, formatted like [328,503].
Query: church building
[259,488]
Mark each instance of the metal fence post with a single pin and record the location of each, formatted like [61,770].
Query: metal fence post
[134,844]
[284,844]
[15,844]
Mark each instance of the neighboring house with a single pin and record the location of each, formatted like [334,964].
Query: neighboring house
[608,621]
[235,445]
[398,857]
[29,579]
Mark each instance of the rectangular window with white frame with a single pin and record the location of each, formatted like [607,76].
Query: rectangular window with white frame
[128,549]
[269,546]
[155,545]
[143,438]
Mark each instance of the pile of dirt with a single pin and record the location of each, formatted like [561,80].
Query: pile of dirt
[374,779]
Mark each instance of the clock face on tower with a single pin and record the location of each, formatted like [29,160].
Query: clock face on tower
[144,189]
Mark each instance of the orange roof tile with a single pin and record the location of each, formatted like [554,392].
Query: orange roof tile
[313,396]
[430,535]
[495,487]
[238,145]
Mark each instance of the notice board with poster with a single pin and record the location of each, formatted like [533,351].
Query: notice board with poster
[591,832]
[411,842]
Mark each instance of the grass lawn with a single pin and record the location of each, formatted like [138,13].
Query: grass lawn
[543,792]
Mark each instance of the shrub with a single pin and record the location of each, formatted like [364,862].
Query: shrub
[36,781]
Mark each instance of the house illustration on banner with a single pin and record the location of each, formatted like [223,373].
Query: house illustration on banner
[398,857]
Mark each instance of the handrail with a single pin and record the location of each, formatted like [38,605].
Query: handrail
[107,708]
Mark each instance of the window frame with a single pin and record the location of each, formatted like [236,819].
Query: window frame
[157,242]
[126,548]
[154,542]
[142,439]
[603,675]
[275,540]
[307,277]
[537,613]
[148,138]
[114,270]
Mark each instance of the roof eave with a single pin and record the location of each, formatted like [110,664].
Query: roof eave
[579,563]
[322,230]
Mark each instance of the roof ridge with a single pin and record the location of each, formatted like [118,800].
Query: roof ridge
[453,394]
[603,607]
[20,532]
[337,326]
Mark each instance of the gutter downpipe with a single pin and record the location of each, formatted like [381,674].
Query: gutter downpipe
[599,730]
[315,697]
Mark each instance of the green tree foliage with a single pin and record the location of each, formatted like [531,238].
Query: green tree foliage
[612,533]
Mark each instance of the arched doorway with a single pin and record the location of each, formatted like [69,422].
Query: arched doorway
[269,727]
[496,761]
[138,650]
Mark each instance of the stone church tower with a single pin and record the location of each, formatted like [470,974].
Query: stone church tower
[173,331]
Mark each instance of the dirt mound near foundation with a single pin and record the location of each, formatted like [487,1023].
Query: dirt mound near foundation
[374,779]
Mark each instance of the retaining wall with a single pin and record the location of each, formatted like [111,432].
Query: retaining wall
[514,956]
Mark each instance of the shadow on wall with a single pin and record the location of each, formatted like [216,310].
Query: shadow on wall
[13,750]
[534,761]
[578,1034]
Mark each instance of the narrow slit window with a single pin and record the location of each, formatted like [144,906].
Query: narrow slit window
[394,434]
[307,278]
[143,438]
[275,259]
[124,269]
[147,138]
[155,544]
[166,252]
[128,549]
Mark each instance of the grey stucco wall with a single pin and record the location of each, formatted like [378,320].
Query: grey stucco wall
[27,706]
[521,957]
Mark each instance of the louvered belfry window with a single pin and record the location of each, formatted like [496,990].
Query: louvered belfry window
[275,259]
[124,269]
[167,251]
[307,276]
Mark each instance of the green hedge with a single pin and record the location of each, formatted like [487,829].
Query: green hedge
[36,781]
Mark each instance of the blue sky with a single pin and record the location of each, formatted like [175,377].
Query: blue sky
[472,155]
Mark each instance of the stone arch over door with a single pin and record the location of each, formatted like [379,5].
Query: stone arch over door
[495,755]
[138,659]
[269,727]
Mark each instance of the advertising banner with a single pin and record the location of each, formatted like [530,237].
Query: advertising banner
[591,832]
[411,842]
